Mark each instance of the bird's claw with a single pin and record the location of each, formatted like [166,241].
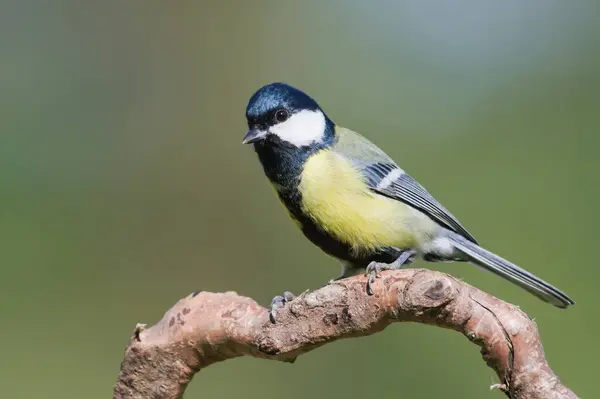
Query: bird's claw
[279,302]
[373,270]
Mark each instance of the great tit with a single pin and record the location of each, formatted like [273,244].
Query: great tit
[351,200]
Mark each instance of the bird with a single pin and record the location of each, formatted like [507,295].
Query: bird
[350,199]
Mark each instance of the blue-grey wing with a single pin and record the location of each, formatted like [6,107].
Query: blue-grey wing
[384,177]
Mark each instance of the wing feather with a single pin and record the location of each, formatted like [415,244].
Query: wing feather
[385,178]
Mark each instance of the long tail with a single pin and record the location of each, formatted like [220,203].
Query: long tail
[511,272]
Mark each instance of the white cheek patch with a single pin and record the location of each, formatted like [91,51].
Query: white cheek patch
[302,128]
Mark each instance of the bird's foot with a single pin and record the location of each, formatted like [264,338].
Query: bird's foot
[375,268]
[279,302]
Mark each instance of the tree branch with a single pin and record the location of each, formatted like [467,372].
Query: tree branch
[206,328]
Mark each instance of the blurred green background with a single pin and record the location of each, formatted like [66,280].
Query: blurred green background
[124,185]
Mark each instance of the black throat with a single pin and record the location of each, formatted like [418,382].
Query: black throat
[283,162]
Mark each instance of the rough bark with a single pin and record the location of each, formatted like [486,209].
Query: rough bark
[205,328]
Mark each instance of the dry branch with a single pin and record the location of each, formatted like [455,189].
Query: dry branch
[206,328]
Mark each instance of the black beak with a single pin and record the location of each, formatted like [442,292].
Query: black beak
[254,135]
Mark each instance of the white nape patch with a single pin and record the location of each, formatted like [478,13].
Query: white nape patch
[302,128]
[391,177]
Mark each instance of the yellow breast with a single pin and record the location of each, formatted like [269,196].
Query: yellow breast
[335,195]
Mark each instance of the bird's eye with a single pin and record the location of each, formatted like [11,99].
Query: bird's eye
[282,115]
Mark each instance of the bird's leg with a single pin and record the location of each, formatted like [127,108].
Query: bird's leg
[279,302]
[374,268]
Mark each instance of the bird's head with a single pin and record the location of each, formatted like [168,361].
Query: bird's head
[279,113]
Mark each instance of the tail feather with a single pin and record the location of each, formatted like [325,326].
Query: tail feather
[511,272]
